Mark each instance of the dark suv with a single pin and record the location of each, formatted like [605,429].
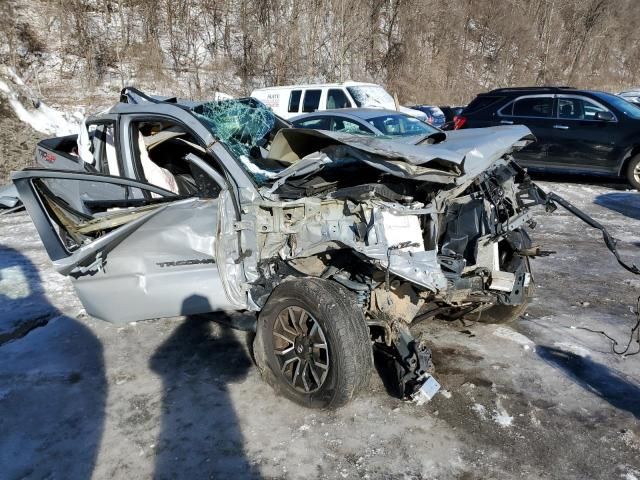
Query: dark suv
[577,130]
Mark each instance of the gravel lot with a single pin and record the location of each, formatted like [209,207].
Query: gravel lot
[180,398]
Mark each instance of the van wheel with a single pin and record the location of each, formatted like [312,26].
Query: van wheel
[633,172]
[312,343]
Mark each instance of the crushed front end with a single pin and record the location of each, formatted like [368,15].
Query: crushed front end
[413,231]
[407,246]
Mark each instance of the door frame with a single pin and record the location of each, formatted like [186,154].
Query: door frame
[43,222]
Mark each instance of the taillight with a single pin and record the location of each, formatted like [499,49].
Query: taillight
[458,122]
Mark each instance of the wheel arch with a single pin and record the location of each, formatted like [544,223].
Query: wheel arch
[627,158]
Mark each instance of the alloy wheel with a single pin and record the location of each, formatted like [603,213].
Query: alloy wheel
[301,349]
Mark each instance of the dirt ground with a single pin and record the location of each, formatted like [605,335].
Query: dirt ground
[17,142]
[180,398]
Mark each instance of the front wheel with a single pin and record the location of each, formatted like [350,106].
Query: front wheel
[312,343]
[633,172]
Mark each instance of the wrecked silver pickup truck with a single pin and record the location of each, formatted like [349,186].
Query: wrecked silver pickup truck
[339,241]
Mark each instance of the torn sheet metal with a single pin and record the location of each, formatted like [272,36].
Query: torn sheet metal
[310,227]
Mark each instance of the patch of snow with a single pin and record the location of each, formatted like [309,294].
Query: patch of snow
[480,410]
[509,334]
[42,118]
[15,76]
[575,349]
[14,284]
[500,416]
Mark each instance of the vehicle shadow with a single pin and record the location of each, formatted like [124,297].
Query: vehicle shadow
[626,203]
[387,369]
[52,381]
[594,377]
[200,435]
[580,179]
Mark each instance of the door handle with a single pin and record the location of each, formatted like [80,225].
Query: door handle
[561,127]
[507,122]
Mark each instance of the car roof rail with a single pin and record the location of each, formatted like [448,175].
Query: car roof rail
[537,88]
[134,96]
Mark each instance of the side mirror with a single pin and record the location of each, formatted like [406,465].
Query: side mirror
[604,116]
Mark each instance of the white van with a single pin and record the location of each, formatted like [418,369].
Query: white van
[292,100]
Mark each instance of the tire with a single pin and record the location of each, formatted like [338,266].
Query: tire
[289,353]
[633,172]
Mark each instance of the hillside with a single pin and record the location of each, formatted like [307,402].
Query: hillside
[424,50]
[77,54]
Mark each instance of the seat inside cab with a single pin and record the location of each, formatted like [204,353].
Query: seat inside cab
[160,150]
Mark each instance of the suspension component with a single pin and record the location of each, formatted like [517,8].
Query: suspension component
[407,363]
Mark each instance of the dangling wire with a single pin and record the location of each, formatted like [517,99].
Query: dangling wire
[635,334]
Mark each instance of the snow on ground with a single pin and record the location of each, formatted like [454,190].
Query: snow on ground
[41,117]
[180,398]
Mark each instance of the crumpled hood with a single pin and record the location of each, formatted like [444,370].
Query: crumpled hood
[482,146]
[464,154]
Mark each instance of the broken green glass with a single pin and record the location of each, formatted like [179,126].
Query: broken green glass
[240,124]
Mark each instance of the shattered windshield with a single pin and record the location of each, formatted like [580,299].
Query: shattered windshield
[372,96]
[240,124]
[245,127]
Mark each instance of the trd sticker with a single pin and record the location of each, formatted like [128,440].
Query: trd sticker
[46,156]
[180,263]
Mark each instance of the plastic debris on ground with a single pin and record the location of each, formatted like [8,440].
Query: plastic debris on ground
[427,391]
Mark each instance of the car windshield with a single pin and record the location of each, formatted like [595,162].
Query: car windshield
[627,108]
[245,127]
[240,124]
[372,96]
[395,125]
